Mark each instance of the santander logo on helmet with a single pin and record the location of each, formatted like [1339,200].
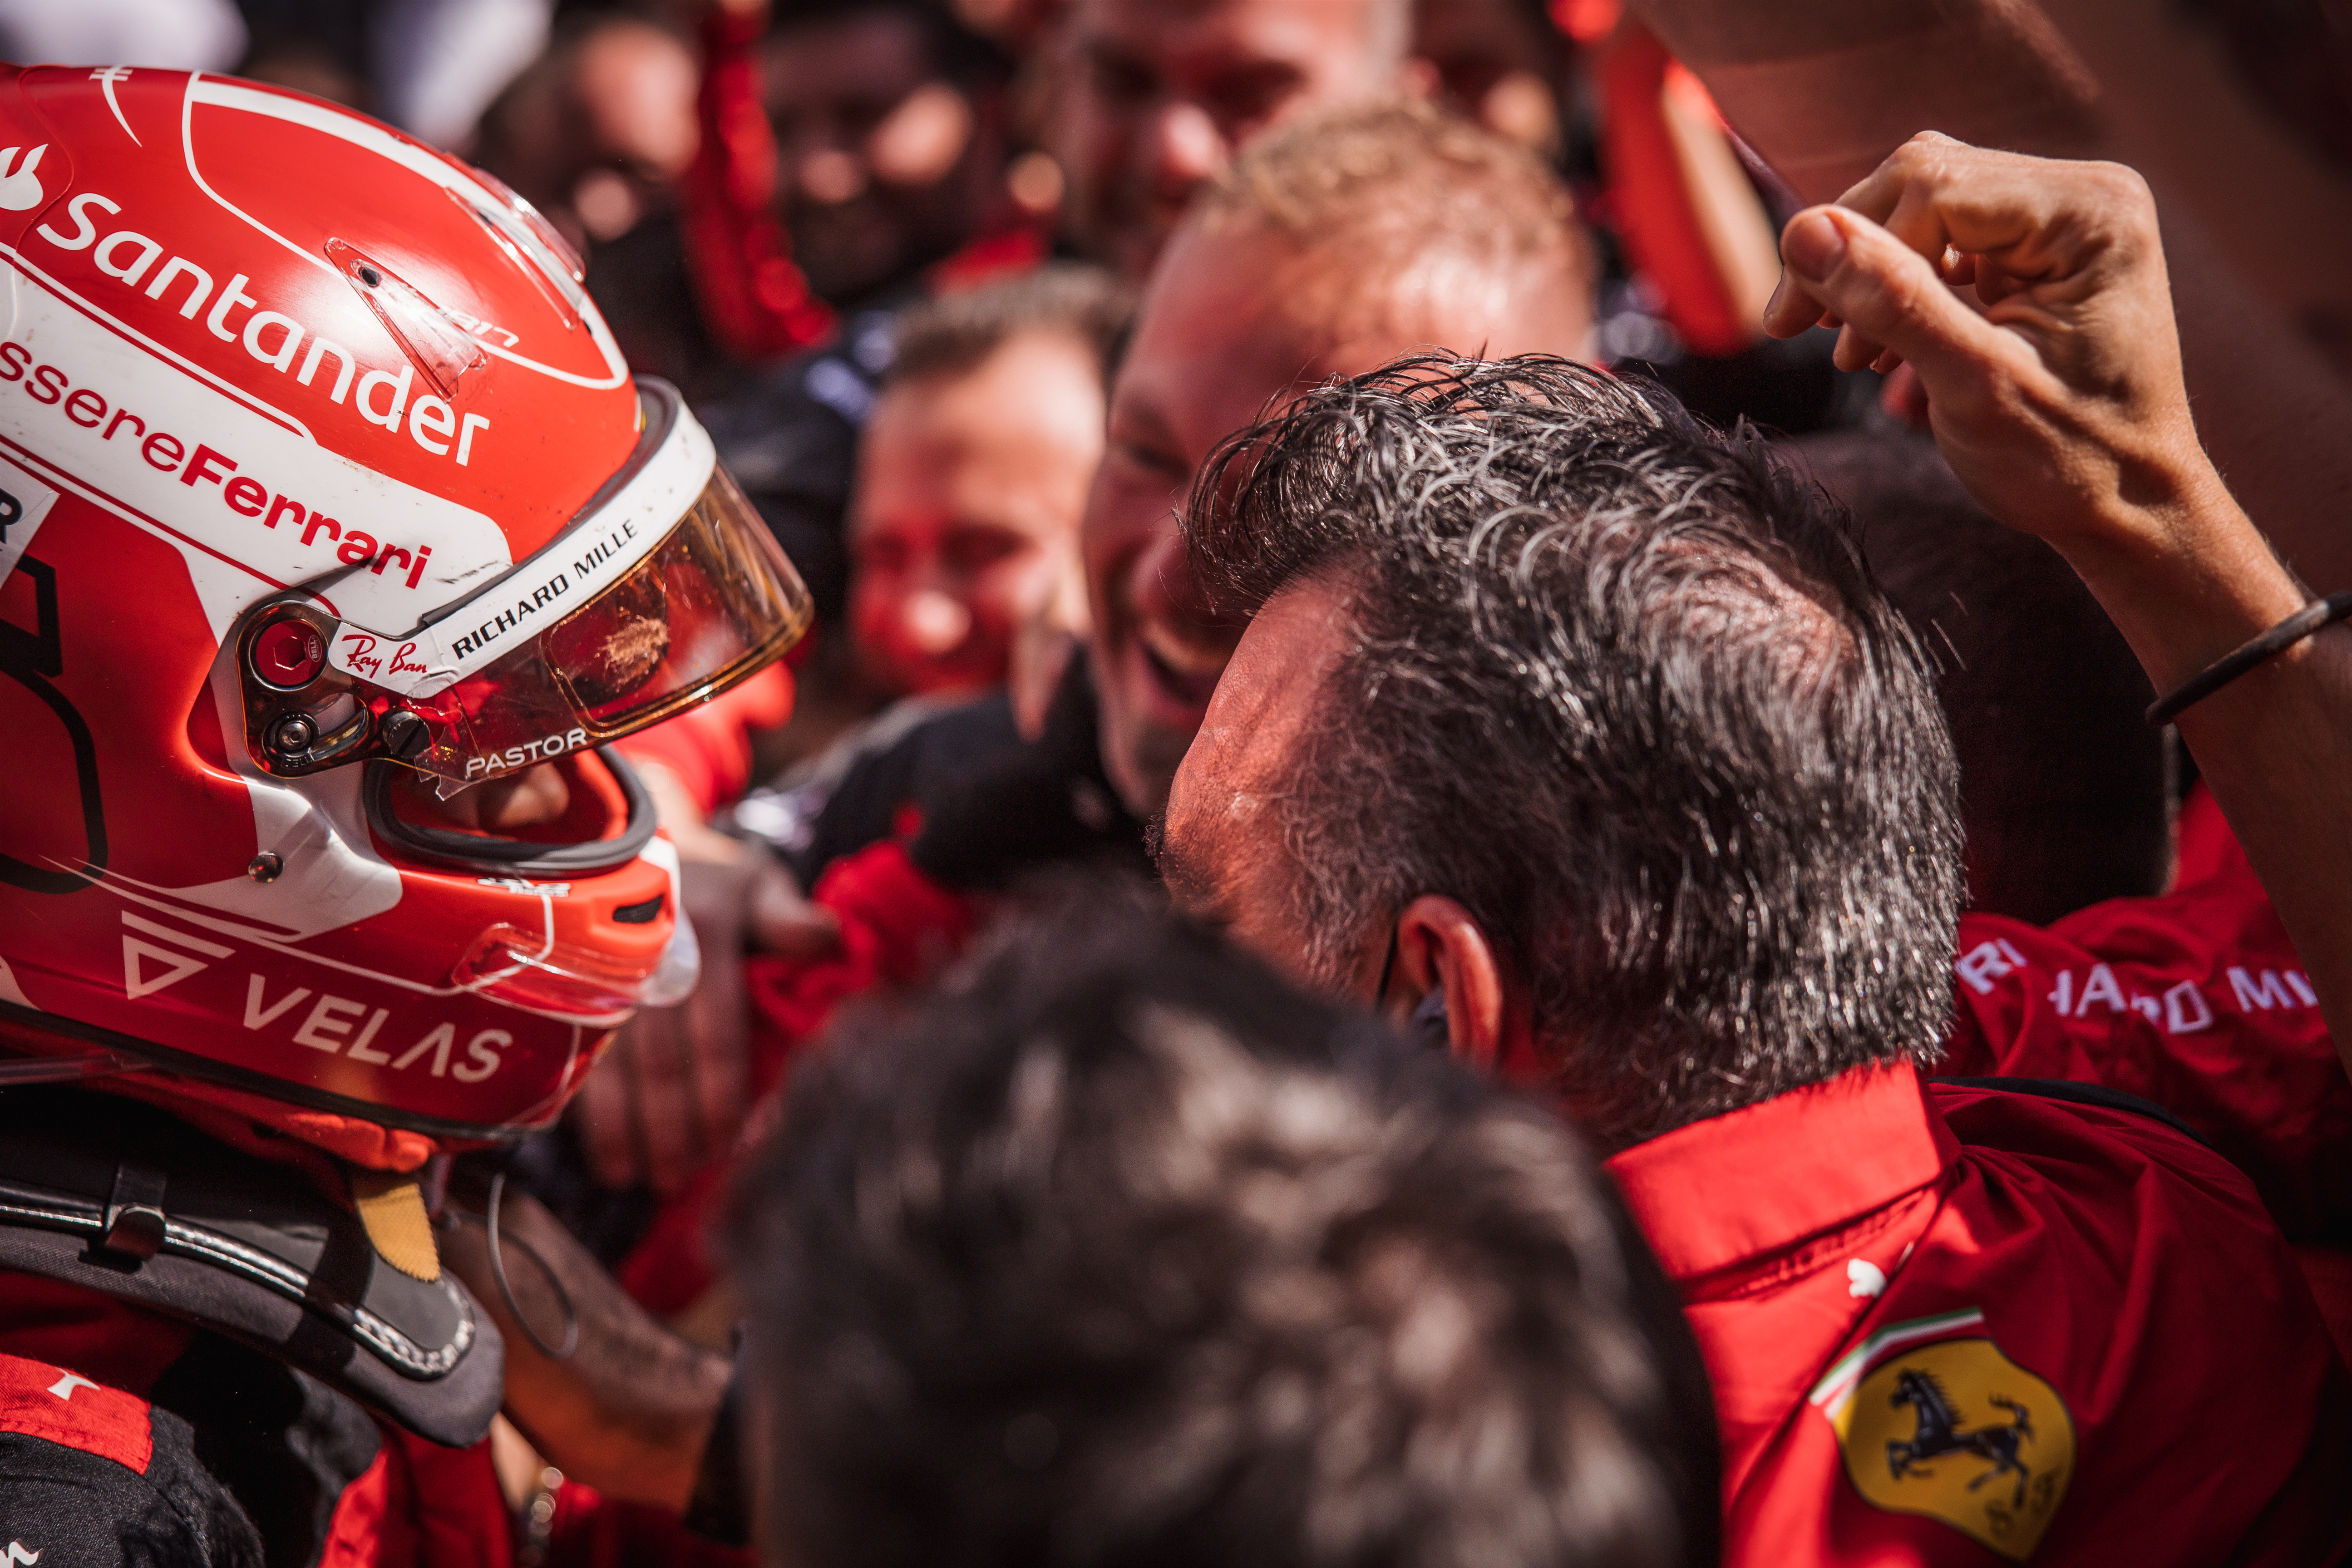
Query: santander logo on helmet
[325,494]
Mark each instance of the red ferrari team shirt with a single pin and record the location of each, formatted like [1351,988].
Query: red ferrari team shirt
[1951,1325]
[2194,1000]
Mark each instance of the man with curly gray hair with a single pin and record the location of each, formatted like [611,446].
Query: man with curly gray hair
[1576,730]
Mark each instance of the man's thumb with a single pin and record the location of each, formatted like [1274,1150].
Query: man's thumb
[1814,244]
[1886,292]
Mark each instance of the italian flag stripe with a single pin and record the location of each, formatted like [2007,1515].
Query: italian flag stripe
[1850,1367]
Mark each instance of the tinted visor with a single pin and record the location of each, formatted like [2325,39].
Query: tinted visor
[712,602]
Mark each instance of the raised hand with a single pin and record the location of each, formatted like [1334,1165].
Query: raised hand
[2029,297]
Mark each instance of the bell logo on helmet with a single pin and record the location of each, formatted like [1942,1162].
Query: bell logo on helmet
[20,187]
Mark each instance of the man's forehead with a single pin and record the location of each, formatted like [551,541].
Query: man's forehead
[1269,688]
[995,438]
[1220,333]
[1247,745]
[1237,315]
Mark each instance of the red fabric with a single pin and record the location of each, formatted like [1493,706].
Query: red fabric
[2328,1271]
[1649,196]
[437,1507]
[40,1400]
[591,1531]
[1589,22]
[755,302]
[994,256]
[707,749]
[2194,1000]
[897,927]
[2093,1260]
[2203,848]
[360,1528]
[670,1268]
[98,1336]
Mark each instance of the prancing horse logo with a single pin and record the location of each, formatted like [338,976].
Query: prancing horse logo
[1939,1433]
[1933,1419]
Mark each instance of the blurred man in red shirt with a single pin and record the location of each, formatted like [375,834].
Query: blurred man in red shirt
[1160,94]
[971,477]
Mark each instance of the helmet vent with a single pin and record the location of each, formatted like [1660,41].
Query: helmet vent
[432,339]
[533,245]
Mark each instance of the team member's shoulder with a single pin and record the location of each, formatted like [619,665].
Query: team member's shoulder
[90,1475]
[2107,1132]
[2096,1281]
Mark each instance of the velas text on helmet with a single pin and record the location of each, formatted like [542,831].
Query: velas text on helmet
[275,338]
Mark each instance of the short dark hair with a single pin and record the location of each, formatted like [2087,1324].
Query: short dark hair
[953,334]
[1118,1251]
[1619,684]
[2063,792]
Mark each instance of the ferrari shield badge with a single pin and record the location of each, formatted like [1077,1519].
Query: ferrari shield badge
[1933,1419]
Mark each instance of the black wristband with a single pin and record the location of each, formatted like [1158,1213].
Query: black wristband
[2261,650]
[720,1509]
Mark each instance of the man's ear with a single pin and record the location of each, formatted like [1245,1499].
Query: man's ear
[1441,947]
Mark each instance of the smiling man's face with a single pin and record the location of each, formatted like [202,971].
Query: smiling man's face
[1237,321]
[1218,338]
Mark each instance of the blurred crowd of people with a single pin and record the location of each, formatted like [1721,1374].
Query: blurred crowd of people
[757,197]
[1465,867]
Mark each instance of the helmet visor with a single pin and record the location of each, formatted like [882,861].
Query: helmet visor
[711,601]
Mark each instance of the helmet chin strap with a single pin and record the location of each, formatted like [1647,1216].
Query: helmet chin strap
[513,857]
[125,1200]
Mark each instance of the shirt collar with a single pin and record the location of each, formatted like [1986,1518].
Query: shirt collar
[1754,1182]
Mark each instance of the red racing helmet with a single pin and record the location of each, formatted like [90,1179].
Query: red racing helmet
[326,496]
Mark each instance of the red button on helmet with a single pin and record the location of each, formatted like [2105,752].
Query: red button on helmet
[325,495]
[288,653]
